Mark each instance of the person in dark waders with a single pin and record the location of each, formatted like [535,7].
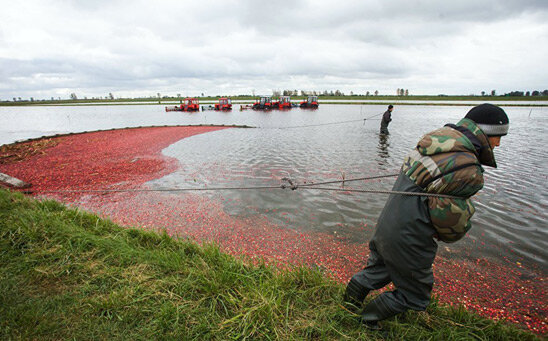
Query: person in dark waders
[445,161]
[386,119]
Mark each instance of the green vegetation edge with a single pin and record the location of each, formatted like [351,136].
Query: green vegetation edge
[400,100]
[69,274]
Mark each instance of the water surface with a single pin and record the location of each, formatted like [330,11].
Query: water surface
[510,223]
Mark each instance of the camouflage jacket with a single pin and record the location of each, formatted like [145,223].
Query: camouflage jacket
[447,161]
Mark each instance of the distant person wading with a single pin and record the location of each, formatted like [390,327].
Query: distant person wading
[386,119]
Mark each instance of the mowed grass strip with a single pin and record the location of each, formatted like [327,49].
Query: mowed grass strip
[65,273]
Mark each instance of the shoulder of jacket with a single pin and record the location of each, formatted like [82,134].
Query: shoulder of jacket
[444,140]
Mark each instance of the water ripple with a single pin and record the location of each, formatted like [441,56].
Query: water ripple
[511,209]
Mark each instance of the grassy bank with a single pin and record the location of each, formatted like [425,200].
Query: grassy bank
[69,274]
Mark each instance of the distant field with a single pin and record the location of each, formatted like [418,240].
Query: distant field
[324,99]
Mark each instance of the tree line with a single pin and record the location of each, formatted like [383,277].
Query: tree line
[276,93]
[399,92]
[527,93]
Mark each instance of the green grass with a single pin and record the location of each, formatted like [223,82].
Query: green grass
[68,274]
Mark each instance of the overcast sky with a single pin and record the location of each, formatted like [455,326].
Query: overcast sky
[135,48]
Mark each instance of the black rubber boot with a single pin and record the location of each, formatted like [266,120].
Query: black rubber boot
[376,311]
[372,325]
[354,295]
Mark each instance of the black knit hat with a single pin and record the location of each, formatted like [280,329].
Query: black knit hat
[490,118]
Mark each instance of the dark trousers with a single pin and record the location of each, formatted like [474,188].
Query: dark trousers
[402,252]
[413,287]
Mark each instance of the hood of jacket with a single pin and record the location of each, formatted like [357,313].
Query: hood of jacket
[448,139]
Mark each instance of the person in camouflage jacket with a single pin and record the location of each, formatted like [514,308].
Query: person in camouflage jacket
[445,161]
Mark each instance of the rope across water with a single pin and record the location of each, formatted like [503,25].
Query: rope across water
[324,124]
[292,186]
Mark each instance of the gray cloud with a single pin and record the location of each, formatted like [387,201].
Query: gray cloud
[53,48]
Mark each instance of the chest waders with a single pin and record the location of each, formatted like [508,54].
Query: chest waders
[402,252]
[384,127]
[384,123]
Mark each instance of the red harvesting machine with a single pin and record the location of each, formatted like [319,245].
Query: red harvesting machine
[310,102]
[224,104]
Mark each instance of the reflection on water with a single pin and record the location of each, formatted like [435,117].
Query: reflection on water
[511,211]
[382,148]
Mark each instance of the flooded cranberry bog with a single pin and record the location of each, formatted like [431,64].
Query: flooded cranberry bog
[498,270]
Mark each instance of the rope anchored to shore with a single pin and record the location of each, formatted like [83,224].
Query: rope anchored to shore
[290,184]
